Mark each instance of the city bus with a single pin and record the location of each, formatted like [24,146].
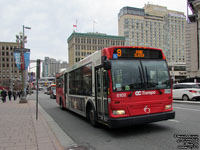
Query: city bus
[119,86]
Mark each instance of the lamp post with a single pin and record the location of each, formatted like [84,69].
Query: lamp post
[23,39]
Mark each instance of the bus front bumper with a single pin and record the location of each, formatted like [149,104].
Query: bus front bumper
[143,119]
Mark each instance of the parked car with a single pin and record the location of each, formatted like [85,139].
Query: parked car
[186,91]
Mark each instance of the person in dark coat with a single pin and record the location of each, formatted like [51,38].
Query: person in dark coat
[9,94]
[19,93]
[14,95]
[3,94]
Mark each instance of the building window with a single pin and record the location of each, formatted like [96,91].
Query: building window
[94,41]
[83,41]
[88,41]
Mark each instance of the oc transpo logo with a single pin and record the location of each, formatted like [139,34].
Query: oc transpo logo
[147,109]
[137,93]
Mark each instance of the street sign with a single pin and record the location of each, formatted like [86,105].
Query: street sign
[38,69]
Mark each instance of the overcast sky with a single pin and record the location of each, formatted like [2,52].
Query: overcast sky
[51,21]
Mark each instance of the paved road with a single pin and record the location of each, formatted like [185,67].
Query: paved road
[155,136]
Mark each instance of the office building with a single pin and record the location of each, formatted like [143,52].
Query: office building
[52,66]
[192,39]
[10,75]
[81,45]
[154,26]
[191,49]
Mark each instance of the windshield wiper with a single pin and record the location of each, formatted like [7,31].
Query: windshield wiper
[146,75]
[160,92]
[130,94]
[155,85]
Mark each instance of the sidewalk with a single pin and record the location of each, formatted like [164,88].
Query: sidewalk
[19,129]
[186,102]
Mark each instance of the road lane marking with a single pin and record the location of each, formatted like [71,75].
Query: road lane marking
[186,108]
[172,120]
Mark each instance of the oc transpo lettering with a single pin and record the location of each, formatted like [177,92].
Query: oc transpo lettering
[138,93]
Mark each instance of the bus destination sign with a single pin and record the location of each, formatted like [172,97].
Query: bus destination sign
[136,53]
[139,53]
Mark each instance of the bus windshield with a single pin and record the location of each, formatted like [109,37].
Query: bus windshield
[129,75]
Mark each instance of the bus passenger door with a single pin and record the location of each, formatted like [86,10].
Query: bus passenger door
[65,82]
[101,94]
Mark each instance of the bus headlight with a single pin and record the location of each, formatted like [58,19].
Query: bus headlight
[119,112]
[168,106]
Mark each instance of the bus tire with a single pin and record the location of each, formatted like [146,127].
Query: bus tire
[92,117]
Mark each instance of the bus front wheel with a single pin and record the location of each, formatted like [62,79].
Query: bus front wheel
[92,117]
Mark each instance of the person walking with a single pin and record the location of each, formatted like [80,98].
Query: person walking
[1,92]
[3,95]
[9,94]
[14,95]
[19,93]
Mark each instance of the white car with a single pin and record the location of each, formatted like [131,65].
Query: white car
[186,91]
[53,94]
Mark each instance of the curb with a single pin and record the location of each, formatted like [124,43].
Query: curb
[186,102]
[62,137]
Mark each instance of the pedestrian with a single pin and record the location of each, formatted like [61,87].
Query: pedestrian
[19,93]
[9,94]
[14,95]
[3,95]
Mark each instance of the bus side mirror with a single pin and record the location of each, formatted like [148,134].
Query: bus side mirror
[107,65]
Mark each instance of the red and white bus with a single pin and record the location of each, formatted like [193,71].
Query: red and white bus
[118,86]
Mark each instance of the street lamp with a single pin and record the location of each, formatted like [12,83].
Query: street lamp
[21,38]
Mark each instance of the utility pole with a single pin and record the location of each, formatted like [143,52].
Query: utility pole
[37,78]
[23,39]
[11,71]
